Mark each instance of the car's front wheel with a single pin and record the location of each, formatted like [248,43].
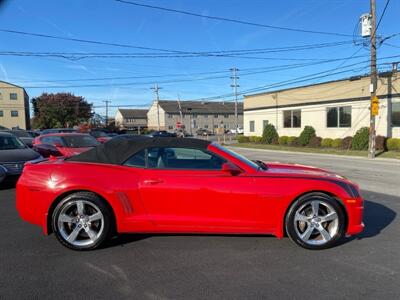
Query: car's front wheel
[82,221]
[316,221]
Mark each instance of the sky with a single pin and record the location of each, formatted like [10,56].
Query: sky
[115,22]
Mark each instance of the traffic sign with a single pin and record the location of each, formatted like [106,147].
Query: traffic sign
[375,105]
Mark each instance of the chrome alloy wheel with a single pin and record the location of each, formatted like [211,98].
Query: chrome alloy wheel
[80,223]
[316,222]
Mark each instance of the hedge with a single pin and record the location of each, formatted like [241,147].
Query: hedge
[337,143]
[243,139]
[315,142]
[293,141]
[393,144]
[270,135]
[360,139]
[283,140]
[306,135]
[346,142]
[327,142]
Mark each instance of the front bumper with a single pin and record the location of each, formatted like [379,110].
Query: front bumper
[355,213]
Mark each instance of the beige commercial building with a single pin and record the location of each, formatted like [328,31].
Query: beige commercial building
[131,119]
[193,115]
[335,109]
[14,106]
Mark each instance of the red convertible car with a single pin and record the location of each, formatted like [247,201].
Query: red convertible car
[138,184]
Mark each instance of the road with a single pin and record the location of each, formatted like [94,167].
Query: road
[33,266]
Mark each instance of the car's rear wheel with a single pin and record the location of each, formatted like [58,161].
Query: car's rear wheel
[316,221]
[82,221]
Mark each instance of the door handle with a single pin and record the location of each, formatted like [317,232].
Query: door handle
[152,181]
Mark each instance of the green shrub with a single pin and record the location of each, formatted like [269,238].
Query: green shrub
[293,141]
[315,142]
[326,143]
[393,144]
[337,143]
[346,142]
[269,134]
[283,140]
[306,135]
[360,139]
[243,139]
[255,139]
[380,142]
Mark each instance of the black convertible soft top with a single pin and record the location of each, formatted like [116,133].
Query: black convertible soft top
[119,149]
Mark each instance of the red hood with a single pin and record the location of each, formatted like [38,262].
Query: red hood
[72,151]
[295,169]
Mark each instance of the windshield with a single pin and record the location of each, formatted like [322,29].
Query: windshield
[80,141]
[98,134]
[20,133]
[10,143]
[238,156]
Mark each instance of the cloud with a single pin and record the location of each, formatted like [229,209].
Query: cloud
[4,71]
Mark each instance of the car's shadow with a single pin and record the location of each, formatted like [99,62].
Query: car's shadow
[376,218]
[8,183]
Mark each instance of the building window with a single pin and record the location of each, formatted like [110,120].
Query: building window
[265,123]
[13,96]
[216,116]
[14,113]
[338,117]
[226,116]
[396,114]
[205,116]
[252,126]
[215,126]
[169,116]
[1,113]
[206,126]
[1,96]
[292,118]
[170,127]
[194,116]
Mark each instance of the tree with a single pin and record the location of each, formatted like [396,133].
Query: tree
[60,110]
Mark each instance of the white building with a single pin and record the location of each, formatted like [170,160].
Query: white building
[131,119]
[335,109]
[194,115]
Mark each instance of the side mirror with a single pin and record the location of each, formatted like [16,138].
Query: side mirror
[231,169]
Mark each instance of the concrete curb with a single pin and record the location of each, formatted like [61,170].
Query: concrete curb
[378,159]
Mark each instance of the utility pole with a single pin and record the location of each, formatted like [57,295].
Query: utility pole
[156,88]
[180,108]
[107,102]
[234,85]
[374,80]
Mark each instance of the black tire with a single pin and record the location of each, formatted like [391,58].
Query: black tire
[319,243]
[91,202]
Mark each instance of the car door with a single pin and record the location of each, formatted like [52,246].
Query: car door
[186,189]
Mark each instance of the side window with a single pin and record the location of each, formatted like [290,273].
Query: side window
[137,160]
[183,158]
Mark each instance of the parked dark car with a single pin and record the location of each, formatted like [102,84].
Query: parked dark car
[162,133]
[33,133]
[204,132]
[22,135]
[59,130]
[13,155]
[100,135]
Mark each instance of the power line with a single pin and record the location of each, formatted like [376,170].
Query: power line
[84,40]
[231,20]
[383,13]
[75,56]
[263,70]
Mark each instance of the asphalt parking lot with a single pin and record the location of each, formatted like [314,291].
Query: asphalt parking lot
[33,266]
